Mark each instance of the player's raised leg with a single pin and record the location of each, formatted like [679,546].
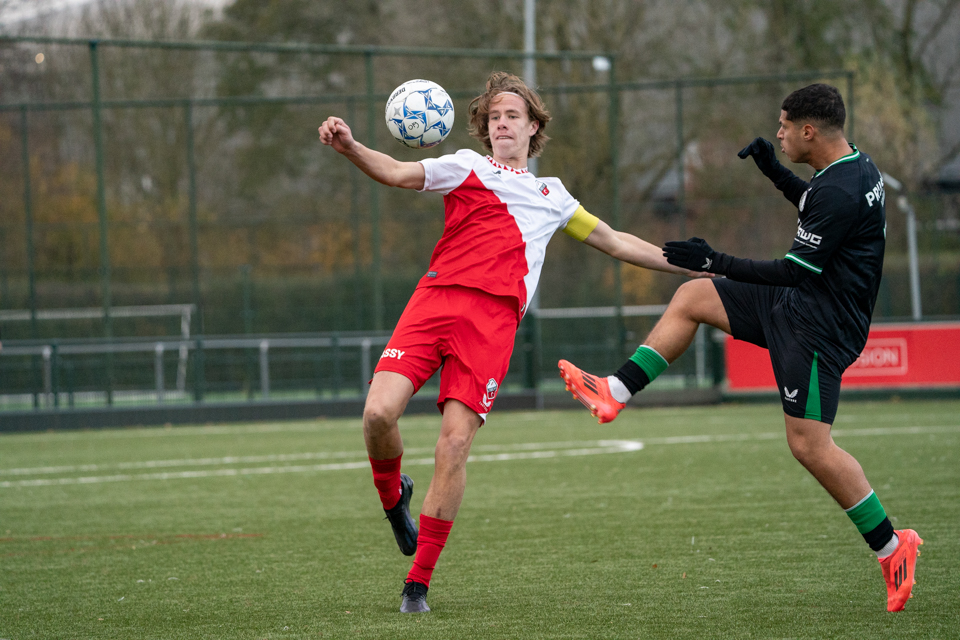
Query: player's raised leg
[442,502]
[387,398]
[842,476]
[696,302]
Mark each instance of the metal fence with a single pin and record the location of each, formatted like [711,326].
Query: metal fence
[299,243]
[73,374]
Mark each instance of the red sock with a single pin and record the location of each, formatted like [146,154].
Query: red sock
[430,542]
[386,478]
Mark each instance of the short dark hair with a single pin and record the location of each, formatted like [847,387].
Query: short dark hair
[817,103]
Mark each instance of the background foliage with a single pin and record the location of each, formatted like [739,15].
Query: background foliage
[274,204]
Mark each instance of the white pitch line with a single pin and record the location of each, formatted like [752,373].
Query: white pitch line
[284,457]
[609,446]
[518,451]
[186,462]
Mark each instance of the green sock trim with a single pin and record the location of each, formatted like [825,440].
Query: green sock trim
[812,411]
[867,514]
[650,361]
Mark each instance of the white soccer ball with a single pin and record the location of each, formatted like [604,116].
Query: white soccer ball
[419,114]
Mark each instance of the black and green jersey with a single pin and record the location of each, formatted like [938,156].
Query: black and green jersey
[841,232]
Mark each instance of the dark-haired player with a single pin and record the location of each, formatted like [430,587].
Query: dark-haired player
[465,311]
[811,310]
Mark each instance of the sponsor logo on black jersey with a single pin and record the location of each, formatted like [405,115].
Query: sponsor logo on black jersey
[877,194]
[807,238]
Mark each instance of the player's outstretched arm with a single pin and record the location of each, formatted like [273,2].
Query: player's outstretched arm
[697,255]
[630,248]
[334,132]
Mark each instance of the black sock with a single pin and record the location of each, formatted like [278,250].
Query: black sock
[632,376]
[880,535]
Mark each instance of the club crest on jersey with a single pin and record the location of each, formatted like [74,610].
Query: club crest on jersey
[542,187]
[487,400]
[803,199]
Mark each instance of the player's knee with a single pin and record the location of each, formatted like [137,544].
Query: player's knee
[807,450]
[378,415]
[688,297]
[454,445]
[800,450]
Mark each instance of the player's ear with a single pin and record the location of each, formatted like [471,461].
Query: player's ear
[808,131]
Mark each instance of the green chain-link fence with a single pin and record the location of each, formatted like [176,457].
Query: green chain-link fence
[140,175]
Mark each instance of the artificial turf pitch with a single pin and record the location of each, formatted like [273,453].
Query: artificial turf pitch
[711,529]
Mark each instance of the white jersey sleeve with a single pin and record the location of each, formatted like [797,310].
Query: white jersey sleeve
[568,204]
[446,173]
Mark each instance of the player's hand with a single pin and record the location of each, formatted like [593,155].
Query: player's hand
[693,254]
[335,133]
[763,154]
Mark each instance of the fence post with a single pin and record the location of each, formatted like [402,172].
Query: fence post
[247,299]
[247,296]
[336,365]
[265,369]
[47,375]
[374,201]
[28,231]
[906,207]
[681,175]
[614,134]
[71,383]
[158,370]
[192,207]
[365,345]
[28,215]
[198,366]
[718,340]
[55,373]
[105,272]
[355,222]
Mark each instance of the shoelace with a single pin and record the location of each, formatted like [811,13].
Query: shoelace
[414,590]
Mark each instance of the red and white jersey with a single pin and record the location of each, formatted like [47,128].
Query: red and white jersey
[498,223]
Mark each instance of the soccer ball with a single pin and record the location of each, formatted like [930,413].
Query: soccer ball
[419,114]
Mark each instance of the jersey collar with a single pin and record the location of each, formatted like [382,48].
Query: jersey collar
[502,166]
[847,158]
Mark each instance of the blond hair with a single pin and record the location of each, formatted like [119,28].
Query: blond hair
[503,82]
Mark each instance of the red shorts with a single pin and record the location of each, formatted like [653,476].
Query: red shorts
[467,331]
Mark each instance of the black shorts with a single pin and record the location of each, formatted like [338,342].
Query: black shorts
[808,377]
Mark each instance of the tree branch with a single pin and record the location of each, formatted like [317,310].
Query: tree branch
[938,25]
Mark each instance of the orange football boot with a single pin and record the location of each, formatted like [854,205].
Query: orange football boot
[592,391]
[898,569]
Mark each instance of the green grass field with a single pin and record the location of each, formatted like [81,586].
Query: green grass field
[709,530]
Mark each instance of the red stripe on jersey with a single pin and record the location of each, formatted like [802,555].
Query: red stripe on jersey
[481,246]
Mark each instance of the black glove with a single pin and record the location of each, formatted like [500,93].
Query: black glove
[763,154]
[693,254]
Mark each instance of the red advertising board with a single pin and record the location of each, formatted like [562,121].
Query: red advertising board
[896,355]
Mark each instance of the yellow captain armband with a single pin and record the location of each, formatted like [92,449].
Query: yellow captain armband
[581,224]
